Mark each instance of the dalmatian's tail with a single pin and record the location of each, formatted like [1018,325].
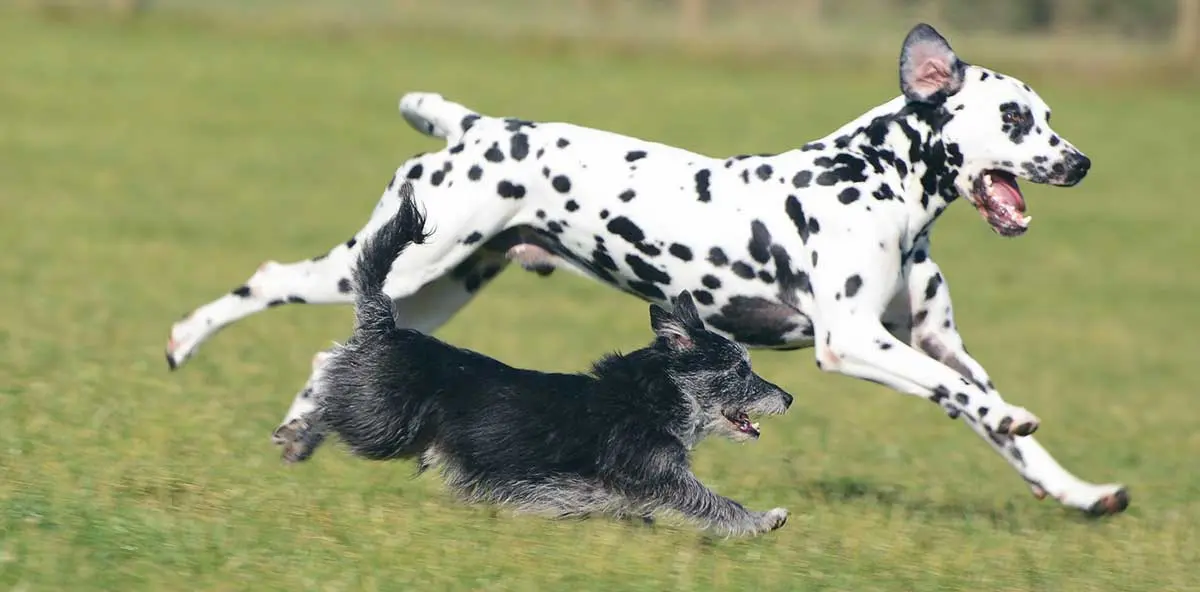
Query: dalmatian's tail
[433,115]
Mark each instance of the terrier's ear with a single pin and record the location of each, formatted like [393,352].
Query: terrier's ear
[667,326]
[685,311]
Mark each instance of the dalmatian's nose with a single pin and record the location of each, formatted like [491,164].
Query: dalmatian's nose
[1077,165]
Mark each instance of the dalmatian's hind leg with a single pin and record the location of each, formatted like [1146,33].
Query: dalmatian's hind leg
[324,279]
[321,280]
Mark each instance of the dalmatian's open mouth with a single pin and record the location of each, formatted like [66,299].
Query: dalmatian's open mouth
[741,422]
[999,200]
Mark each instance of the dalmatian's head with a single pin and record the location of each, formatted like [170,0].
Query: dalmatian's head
[999,125]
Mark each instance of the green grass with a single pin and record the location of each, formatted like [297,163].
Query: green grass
[146,169]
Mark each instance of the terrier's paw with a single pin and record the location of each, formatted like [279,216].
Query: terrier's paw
[298,440]
[775,519]
[637,519]
[288,431]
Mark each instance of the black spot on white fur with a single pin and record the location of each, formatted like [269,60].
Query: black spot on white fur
[755,321]
[742,270]
[717,257]
[702,185]
[494,154]
[853,284]
[680,252]
[760,242]
[519,147]
[645,271]
[510,190]
[632,233]
[805,226]
[802,179]
[931,288]
[439,175]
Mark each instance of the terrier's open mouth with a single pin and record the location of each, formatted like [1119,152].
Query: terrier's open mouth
[999,200]
[741,422]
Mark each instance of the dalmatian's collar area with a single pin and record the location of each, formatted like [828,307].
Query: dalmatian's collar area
[825,247]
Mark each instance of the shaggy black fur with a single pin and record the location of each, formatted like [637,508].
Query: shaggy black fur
[614,441]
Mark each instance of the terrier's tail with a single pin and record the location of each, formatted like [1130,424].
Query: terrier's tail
[373,308]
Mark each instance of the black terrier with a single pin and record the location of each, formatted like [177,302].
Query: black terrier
[615,441]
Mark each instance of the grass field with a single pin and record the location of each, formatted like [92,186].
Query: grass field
[146,169]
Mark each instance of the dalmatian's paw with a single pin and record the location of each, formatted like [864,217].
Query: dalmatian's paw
[1095,501]
[184,341]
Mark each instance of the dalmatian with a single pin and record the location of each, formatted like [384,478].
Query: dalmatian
[827,246]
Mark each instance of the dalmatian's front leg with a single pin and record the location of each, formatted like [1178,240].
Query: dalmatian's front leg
[934,332]
[849,296]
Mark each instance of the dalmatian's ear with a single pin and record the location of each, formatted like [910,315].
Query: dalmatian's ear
[928,66]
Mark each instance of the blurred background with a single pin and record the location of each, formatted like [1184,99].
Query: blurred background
[154,153]
[1080,32]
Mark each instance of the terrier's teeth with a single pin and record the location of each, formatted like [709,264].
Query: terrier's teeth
[754,425]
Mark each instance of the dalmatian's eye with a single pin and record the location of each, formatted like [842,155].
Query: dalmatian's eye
[1013,117]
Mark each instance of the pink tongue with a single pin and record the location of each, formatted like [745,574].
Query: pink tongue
[1005,191]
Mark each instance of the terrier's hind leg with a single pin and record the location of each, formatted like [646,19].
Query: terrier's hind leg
[425,310]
